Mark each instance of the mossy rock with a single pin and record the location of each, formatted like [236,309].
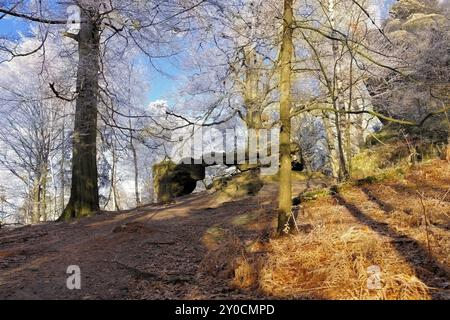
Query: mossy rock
[218,184]
[160,171]
[175,180]
[392,26]
[248,183]
[195,171]
[419,22]
[296,176]
[388,149]
[247,166]
[401,36]
[405,8]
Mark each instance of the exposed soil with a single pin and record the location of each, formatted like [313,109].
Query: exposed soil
[119,253]
[196,248]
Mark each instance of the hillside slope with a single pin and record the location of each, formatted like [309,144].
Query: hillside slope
[201,248]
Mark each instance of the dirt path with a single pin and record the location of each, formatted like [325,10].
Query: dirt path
[121,253]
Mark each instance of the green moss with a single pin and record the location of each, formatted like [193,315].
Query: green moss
[216,233]
[366,163]
[420,21]
[396,153]
[313,195]
[245,219]
[219,183]
[367,180]
[245,184]
[174,180]
[296,176]
[388,133]
[394,173]
[405,8]
[161,188]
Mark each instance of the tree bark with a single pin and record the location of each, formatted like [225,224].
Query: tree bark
[339,123]
[115,193]
[136,167]
[337,96]
[36,203]
[251,94]
[62,174]
[332,152]
[43,199]
[287,49]
[136,173]
[84,198]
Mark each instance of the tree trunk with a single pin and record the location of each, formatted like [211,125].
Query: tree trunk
[447,155]
[343,171]
[136,167]
[338,103]
[136,174]
[348,123]
[115,193]
[84,198]
[36,202]
[251,94]
[253,117]
[43,188]
[332,152]
[62,174]
[447,151]
[287,49]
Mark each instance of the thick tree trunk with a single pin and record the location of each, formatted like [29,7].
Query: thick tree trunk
[287,49]
[84,198]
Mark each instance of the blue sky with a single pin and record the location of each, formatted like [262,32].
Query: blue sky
[11,26]
[160,84]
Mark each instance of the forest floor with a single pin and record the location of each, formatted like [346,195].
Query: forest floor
[199,248]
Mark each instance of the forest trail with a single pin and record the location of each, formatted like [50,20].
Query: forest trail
[191,249]
[161,244]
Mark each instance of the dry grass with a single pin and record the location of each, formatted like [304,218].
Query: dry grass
[332,263]
[377,224]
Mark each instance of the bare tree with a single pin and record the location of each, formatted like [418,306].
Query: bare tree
[286,56]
